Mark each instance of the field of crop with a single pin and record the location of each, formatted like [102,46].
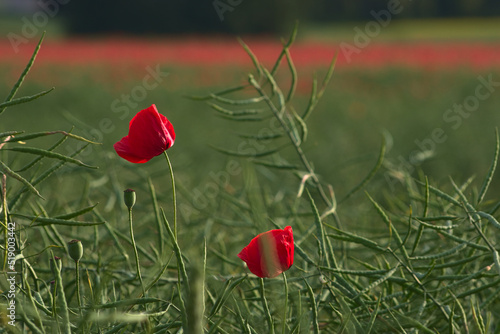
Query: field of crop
[385,171]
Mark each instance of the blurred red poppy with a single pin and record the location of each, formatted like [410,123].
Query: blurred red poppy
[150,134]
[270,253]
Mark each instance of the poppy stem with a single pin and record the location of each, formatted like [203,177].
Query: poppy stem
[174,200]
[78,296]
[267,313]
[137,265]
[286,303]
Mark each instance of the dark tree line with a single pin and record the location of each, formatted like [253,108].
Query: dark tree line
[245,16]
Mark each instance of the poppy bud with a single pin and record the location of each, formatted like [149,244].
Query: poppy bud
[129,198]
[75,249]
[270,253]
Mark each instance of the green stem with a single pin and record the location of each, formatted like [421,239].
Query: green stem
[174,200]
[138,268]
[294,141]
[78,296]
[266,307]
[286,302]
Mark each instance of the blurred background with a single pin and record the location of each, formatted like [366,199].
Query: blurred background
[402,65]
[231,16]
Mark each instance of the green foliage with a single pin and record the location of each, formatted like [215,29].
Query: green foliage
[422,257]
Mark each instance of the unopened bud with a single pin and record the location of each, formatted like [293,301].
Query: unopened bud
[75,249]
[129,198]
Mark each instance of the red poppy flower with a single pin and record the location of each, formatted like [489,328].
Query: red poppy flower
[270,253]
[150,134]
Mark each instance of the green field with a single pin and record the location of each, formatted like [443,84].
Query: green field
[410,245]
[345,132]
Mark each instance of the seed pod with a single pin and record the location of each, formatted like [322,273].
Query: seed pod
[75,249]
[129,198]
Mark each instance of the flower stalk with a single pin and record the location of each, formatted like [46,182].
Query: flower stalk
[75,250]
[129,198]
[174,199]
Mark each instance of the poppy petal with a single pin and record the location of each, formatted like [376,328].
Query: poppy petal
[122,148]
[269,253]
[150,134]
